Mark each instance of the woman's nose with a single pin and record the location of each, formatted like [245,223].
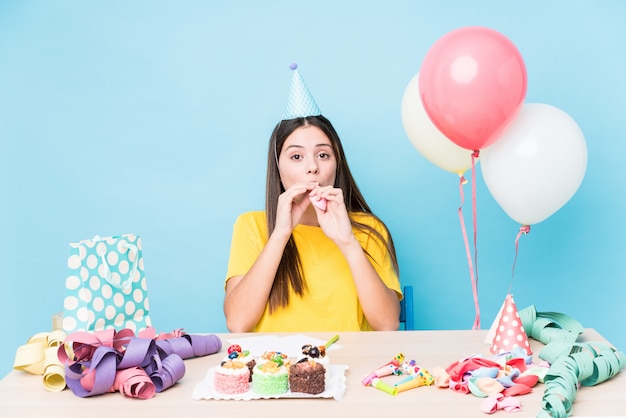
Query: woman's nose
[312,169]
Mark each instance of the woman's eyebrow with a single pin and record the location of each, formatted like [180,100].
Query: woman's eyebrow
[316,146]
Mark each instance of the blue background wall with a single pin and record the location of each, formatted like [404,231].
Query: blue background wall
[153,117]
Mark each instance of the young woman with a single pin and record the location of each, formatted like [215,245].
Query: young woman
[317,258]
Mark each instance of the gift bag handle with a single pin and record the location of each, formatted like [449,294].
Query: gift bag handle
[126,284]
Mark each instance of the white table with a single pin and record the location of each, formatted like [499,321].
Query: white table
[23,394]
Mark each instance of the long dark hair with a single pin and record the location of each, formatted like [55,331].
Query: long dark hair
[289,273]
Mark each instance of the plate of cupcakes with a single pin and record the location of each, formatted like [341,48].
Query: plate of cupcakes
[273,374]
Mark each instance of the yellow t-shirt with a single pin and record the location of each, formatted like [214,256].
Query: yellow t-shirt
[331,303]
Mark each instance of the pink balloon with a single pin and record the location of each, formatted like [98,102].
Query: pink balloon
[473,84]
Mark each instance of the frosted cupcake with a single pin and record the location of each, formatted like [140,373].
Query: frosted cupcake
[270,376]
[232,377]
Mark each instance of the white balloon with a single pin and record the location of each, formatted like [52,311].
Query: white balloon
[425,136]
[537,165]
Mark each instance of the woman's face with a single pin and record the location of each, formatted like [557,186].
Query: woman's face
[307,156]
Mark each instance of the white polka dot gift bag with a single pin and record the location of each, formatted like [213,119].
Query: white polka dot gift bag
[106,285]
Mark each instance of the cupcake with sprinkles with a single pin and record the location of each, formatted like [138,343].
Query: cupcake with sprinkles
[270,376]
[235,353]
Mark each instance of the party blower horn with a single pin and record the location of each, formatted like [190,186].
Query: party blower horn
[416,377]
[393,367]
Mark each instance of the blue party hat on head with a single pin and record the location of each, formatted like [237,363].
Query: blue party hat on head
[300,102]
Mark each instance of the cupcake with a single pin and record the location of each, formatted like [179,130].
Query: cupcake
[307,376]
[232,377]
[270,376]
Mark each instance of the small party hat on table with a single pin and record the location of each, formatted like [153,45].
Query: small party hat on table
[300,102]
[507,331]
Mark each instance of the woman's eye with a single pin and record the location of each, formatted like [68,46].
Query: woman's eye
[323,155]
[296,157]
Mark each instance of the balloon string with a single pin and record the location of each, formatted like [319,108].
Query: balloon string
[524,229]
[475,155]
[467,248]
